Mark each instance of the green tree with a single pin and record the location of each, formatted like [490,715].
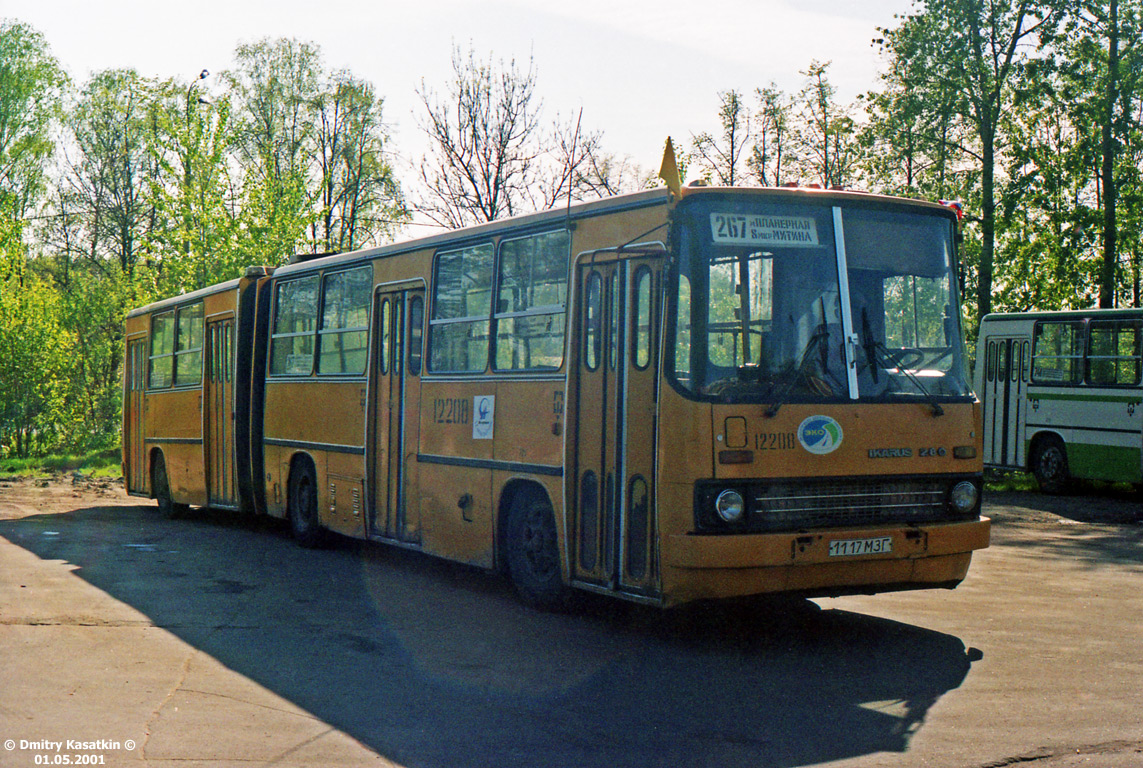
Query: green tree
[107,172]
[360,199]
[976,50]
[34,350]
[100,244]
[1101,58]
[31,86]
[1047,220]
[912,137]
[192,187]
[273,89]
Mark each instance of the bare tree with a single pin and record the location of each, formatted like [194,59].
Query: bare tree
[771,151]
[602,174]
[721,159]
[483,141]
[491,153]
[827,135]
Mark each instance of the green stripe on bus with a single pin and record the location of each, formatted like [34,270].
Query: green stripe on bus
[1104,462]
[1137,399]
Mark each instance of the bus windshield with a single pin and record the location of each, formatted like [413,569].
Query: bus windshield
[762,316]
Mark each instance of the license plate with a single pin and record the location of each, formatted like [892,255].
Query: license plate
[852,547]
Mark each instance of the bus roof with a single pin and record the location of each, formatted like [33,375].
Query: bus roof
[635,200]
[511,225]
[833,195]
[184,298]
[1062,314]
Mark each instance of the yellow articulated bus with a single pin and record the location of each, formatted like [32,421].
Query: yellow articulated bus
[663,397]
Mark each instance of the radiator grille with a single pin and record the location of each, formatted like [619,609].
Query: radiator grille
[818,503]
[827,504]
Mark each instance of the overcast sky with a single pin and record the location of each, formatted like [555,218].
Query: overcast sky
[640,69]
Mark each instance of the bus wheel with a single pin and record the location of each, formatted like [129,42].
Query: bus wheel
[533,557]
[303,508]
[161,487]
[1050,465]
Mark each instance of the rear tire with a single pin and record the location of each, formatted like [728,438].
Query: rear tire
[161,488]
[533,553]
[302,507]
[1050,465]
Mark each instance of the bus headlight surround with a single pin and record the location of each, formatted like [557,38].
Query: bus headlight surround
[729,506]
[963,497]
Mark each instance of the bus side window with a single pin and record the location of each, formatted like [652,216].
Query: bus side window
[683,332]
[613,321]
[295,322]
[461,310]
[1136,366]
[162,358]
[531,296]
[990,362]
[593,322]
[1057,355]
[343,339]
[416,326]
[641,317]
[1113,356]
[188,346]
[383,344]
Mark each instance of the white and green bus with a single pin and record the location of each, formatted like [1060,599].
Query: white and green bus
[1062,395]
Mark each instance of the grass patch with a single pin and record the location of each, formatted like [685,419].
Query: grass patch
[1003,480]
[1000,481]
[103,463]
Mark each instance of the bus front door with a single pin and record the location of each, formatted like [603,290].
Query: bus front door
[1007,366]
[135,452]
[219,413]
[394,422]
[615,373]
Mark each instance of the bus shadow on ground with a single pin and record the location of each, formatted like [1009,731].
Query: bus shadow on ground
[433,664]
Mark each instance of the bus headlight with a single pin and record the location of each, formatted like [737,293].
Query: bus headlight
[963,497]
[730,506]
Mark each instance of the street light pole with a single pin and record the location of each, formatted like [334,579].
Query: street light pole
[188,176]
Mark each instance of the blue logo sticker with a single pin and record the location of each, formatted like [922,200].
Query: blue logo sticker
[820,435]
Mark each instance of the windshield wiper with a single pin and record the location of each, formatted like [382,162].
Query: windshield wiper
[790,375]
[878,354]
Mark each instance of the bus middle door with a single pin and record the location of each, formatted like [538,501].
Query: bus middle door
[1006,372]
[394,422]
[616,370]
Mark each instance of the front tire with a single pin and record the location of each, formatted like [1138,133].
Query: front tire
[1050,465]
[533,552]
[303,507]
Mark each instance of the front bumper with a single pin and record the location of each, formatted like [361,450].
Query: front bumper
[715,567]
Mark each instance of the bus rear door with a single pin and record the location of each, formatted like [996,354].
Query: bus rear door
[219,412]
[613,445]
[135,449]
